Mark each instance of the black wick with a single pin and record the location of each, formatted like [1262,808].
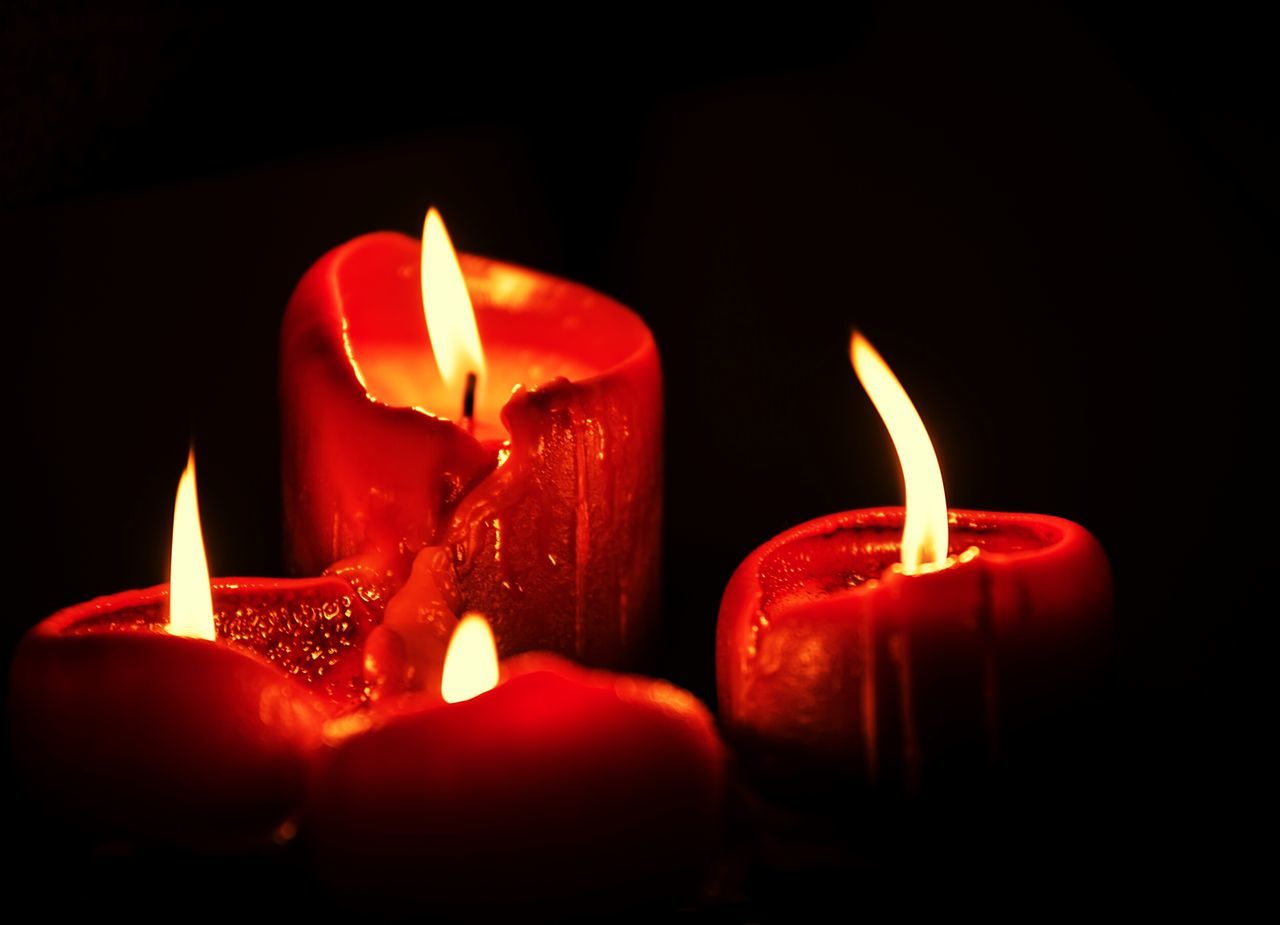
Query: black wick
[469,404]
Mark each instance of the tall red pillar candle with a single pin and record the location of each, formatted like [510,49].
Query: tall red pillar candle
[545,789]
[834,657]
[549,498]
[190,716]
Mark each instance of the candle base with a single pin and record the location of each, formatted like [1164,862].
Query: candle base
[1006,835]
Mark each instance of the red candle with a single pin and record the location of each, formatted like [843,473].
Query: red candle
[558,785]
[184,712]
[548,493]
[898,646]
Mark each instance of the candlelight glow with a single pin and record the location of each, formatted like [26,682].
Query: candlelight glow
[190,597]
[451,319]
[924,534]
[471,663]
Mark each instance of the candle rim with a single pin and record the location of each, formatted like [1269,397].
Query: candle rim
[1058,534]
[472,265]
[62,622]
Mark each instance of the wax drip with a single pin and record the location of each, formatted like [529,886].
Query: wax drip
[869,704]
[990,663]
[900,659]
[499,491]
[581,529]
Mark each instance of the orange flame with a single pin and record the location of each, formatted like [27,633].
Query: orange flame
[471,663]
[451,319]
[190,597]
[924,534]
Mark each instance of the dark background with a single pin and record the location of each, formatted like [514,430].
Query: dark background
[1056,225]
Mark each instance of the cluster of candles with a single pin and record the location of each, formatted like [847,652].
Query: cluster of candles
[473,469]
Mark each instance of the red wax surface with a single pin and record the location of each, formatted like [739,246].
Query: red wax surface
[133,731]
[828,662]
[560,784]
[556,533]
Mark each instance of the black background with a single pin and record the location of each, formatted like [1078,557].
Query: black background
[1055,224]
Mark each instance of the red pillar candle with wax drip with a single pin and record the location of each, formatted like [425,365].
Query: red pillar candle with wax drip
[186,712]
[539,785]
[883,645]
[524,438]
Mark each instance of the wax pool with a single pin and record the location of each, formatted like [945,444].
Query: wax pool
[405,376]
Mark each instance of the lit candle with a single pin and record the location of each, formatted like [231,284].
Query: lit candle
[186,712]
[536,786]
[509,416]
[877,646]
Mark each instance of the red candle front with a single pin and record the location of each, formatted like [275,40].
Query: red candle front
[559,785]
[550,500]
[836,658]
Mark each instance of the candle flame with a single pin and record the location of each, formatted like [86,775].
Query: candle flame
[471,663]
[190,597]
[451,319]
[924,534]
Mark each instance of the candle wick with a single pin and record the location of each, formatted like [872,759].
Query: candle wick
[469,404]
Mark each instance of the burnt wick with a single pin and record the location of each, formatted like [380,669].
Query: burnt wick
[469,404]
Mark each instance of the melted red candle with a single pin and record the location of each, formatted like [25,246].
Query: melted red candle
[558,785]
[556,535]
[829,662]
[130,730]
